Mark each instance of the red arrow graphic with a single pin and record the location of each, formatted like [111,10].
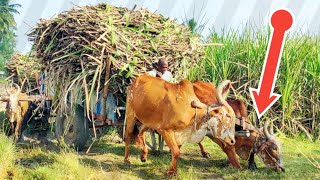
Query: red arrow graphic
[263,97]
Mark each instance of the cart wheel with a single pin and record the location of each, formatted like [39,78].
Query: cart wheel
[72,128]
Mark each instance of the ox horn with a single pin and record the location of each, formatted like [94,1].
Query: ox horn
[265,130]
[6,87]
[271,129]
[17,86]
[18,89]
[223,90]
[198,104]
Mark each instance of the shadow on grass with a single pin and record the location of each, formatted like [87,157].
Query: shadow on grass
[99,148]
[36,160]
[44,145]
[156,165]
[141,170]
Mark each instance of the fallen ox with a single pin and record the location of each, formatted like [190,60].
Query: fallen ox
[15,109]
[261,142]
[174,111]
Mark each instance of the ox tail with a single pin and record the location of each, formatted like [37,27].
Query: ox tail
[134,133]
[130,124]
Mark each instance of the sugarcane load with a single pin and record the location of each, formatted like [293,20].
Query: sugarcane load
[77,45]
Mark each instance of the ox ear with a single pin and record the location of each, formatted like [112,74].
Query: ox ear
[198,104]
[222,91]
[224,88]
[215,109]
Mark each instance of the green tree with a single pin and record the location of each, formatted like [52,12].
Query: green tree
[7,28]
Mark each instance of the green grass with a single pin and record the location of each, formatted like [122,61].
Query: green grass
[68,165]
[105,161]
[33,162]
[7,158]
[241,58]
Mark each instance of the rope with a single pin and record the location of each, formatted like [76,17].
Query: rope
[195,119]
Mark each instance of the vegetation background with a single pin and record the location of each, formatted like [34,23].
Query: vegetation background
[296,115]
[7,27]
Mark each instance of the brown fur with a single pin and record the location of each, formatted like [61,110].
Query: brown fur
[166,108]
[243,145]
[239,108]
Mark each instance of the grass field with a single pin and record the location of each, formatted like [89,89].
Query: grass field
[105,161]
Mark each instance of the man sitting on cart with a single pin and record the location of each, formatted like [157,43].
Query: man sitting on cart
[162,70]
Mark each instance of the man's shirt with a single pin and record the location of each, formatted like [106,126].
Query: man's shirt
[165,76]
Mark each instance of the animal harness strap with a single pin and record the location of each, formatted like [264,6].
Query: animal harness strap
[195,119]
[263,147]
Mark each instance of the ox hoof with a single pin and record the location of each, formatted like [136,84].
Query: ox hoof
[206,155]
[143,159]
[171,173]
[127,162]
[16,140]
[156,153]
[253,166]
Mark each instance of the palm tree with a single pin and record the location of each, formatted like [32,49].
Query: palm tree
[7,27]
[7,22]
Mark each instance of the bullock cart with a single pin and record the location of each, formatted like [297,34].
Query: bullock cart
[91,54]
[70,125]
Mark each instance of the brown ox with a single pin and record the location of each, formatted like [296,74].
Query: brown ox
[174,111]
[265,145]
[15,109]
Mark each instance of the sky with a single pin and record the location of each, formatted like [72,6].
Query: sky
[218,15]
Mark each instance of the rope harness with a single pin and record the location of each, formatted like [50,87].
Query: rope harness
[196,114]
[258,150]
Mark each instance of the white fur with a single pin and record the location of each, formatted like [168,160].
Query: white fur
[189,135]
